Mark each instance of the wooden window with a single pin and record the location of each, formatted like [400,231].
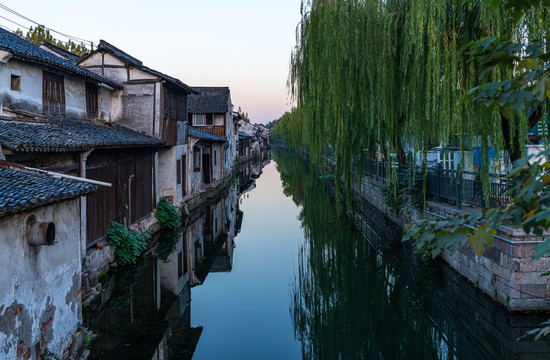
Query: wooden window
[53,94]
[178,171]
[92,101]
[199,119]
[16,83]
[209,119]
[197,158]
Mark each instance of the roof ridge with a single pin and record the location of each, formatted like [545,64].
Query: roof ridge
[103,43]
[23,50]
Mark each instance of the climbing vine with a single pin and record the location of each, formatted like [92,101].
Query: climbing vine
[129,243]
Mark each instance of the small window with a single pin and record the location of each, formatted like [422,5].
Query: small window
[53,94]
[180,264]
[215,157]
[16,83]
[197,158]
[199,119]
[219,119]
[92,101]
[178,171]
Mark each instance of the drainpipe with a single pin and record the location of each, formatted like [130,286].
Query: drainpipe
[83,157]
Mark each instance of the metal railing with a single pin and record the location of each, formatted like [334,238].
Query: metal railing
[452,185]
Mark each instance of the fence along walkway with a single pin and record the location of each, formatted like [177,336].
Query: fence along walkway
[452,185]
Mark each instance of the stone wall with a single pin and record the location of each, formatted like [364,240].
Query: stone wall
[461,312]
[505,272]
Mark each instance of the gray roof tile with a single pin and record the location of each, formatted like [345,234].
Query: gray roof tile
[209,100]
[57,135]
[22,190]
[24,50]
[105,46]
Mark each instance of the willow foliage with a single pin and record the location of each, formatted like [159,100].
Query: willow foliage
[388,76]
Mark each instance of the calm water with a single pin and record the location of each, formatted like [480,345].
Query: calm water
[270,271]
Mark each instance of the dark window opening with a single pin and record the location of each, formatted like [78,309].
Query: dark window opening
[180,264]
[184,252]
[53,94]
[16,83]
[215,158]
[197,159]
[178,171]
[209,119]
[92,101]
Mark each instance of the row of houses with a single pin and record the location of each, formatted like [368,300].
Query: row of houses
[85,141]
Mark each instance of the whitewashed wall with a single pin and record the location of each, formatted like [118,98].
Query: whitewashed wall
[40,298]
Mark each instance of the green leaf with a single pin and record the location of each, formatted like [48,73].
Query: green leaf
[542,249]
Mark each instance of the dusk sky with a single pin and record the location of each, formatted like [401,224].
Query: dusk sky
[243,44]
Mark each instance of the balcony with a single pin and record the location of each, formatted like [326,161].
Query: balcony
[213,130]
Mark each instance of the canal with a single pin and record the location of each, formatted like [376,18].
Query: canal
[269,270]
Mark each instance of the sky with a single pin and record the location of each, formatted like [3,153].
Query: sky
[243,44]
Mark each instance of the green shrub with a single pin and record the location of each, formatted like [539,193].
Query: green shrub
[168,215]
[129,243]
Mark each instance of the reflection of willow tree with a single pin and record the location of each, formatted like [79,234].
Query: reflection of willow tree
[346,302]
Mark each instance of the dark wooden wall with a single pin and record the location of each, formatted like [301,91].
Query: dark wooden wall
[131,197]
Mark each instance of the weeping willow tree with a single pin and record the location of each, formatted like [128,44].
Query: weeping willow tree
[373,78]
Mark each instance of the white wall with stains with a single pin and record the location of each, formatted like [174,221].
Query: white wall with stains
[29,98]
[40,298]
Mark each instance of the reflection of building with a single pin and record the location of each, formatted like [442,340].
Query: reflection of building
[210,238]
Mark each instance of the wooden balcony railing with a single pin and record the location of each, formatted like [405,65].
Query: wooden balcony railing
[214,130]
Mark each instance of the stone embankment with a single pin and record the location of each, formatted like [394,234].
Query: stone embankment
[505,272]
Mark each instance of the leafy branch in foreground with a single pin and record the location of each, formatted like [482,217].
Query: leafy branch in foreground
[529,209]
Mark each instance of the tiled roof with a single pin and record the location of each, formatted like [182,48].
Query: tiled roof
[209,100]
[245,136]
[22,190]
[62,52]
[201,135]
[105,46]
[24,50]
[69,135]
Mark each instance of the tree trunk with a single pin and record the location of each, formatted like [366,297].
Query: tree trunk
[513,146]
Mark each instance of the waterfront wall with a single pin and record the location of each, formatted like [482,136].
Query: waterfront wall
[460,311]
[505,272]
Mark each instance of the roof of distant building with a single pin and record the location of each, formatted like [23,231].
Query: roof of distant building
[130,60]
[22,190]
[245,136]
[62,52]
[201,135]
[57,135]
[25,51]
[210,100]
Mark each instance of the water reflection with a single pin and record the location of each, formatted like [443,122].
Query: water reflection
[144,311]
[357,299]
[355,291]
